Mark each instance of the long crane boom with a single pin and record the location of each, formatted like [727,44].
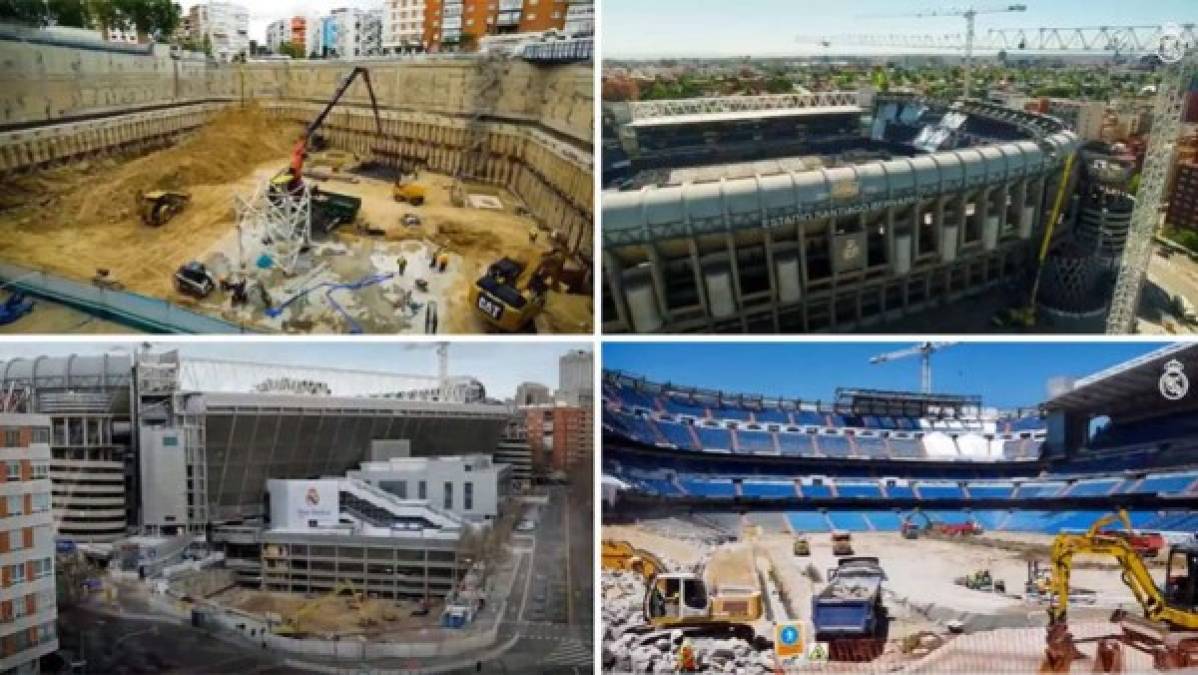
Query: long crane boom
[924,350]
[301,146]
[970,15]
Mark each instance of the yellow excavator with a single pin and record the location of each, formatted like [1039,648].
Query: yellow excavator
[621,555]
[1168,630]
[683,600]
[292,624]
[513,292]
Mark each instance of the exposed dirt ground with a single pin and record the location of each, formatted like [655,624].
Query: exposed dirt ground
[921,595]
[330,615]
[73,221]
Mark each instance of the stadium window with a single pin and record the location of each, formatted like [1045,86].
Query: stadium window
[422,490]
[12,438]
[448,495]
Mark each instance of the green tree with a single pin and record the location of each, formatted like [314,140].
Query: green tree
[291,49]
[779,84]
[34,12]
[73,13]
[156,19]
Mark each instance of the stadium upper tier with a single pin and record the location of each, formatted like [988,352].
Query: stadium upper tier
[672,484]
[686,419]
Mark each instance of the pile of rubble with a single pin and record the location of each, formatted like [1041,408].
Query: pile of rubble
[626,651]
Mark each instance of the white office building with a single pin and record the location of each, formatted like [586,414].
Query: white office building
[576,378]
[472,487]
[277,33]
[226,25]
[403,26]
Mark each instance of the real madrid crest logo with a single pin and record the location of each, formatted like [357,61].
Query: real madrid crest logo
[1174,384]
[851,249]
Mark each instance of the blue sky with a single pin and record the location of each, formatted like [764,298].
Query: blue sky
[500,366]
[635,28]
[1006,375]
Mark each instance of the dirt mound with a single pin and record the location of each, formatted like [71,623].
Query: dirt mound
[228,148]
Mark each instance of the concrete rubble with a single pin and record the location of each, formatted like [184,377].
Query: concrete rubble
[628,652]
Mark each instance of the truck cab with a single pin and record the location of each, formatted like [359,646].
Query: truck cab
[842,543]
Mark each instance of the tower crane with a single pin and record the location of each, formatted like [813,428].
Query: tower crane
[970,15]
[924,350]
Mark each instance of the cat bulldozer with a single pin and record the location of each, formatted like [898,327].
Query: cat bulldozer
[513,292]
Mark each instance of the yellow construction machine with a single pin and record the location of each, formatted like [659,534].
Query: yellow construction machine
[1168,629]
[802,547]
[292,623]
[406,189]
[513,292]
[159,206]
[621,555]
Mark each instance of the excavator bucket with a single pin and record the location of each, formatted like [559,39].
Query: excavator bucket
[1108,658]
[1059,651]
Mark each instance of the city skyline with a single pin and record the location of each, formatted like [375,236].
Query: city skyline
[684,28]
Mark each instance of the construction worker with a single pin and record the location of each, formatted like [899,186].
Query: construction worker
[442,262]
[403,264]
[686,657]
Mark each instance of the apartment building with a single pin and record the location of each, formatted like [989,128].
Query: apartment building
[576,378]
[455,25]
[1183,204]
[227,26]
[27,597]
[580,18]
[403,26]
[350,33]
[1087,118]
[297,30]
[560,437]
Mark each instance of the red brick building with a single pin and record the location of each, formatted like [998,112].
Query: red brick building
[560,437]
[454,24]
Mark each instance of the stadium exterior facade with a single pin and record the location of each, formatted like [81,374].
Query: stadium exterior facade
[931,204]
[195,442]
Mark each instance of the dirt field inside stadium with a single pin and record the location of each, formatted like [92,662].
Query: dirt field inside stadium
[935,624]
[75,220]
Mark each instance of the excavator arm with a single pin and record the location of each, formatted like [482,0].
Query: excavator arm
[300,150]
[1135,573]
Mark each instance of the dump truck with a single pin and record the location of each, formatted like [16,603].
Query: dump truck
[159,206]
[842,543]
[850,606]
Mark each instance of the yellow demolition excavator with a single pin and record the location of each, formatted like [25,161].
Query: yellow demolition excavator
[1168,629]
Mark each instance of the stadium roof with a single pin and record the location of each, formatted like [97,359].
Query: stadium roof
[1130,385]
[743,115]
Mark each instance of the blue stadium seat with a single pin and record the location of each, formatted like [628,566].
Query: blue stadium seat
[871,446]
[677,434]
[659,486]
[809,418]
[939,490]
[900,491]
[834,446]
[858,490]
[730,413]
[674,405]
[714,438]
[1094,488]
[755,441]
[772,416]
[768,489]
[1166,483]
[637,428]
[989,518]
[813,491]
[905,447]
[852,521]
[990,491]
[708,487]
[807,521]
[795,444]
[633,398]
[886,521]
[1038,490]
